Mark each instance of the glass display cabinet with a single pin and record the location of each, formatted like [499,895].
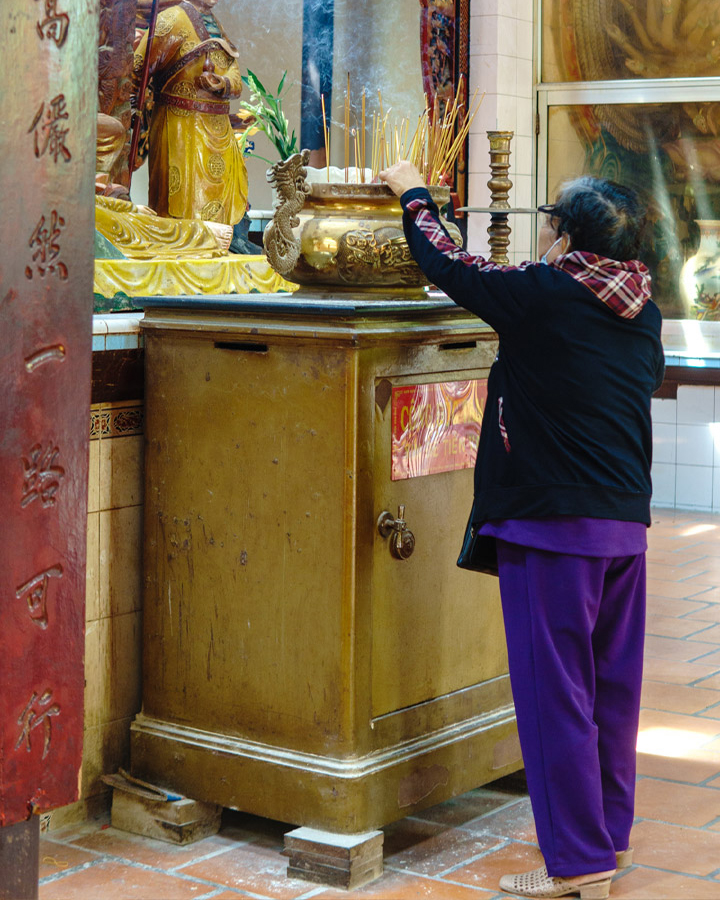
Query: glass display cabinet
[631,92]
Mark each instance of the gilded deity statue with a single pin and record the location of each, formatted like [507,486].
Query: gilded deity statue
[137,232]
[196,167]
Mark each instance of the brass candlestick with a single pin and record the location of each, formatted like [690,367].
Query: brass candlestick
[499,185]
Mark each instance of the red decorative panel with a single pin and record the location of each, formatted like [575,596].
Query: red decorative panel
[445,58]
[46,233]
[436,427]
[437,46]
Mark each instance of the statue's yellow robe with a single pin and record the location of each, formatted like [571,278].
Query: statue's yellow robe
[196,166]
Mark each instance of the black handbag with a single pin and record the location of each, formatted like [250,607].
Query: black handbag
[479,551]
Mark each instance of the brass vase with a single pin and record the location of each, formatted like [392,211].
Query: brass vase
[700,276]
[342,236]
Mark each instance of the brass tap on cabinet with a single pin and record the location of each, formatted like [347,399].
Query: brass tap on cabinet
[402,540]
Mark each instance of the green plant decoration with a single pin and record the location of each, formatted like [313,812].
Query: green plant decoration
[266,108]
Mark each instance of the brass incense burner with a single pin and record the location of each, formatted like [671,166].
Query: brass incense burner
[346,236]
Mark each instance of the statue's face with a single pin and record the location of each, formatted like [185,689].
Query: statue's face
[204,4]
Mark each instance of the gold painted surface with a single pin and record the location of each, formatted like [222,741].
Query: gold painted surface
[249,478]
[188,139]
[229,274]
[110,140]
[283,643]
[141,235]
[347,797]
[436,628]
[344,235]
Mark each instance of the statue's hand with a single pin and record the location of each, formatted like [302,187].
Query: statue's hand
[209,81]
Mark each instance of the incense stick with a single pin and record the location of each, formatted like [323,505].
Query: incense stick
[356,149]
[347,129]
[362,133]
[326,136]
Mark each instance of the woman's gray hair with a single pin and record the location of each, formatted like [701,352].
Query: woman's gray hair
[599,216]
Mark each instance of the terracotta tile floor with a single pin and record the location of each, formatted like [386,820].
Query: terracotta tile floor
[459,849]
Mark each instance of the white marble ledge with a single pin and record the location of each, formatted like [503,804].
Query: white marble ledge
[117,331]
[691,339]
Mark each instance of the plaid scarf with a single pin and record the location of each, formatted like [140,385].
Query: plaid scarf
[624,287]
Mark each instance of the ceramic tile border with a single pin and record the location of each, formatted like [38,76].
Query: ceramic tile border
[111,420]
[117,332]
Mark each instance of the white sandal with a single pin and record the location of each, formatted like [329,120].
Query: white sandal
[539,884]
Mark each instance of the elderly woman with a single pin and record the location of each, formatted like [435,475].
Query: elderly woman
[562,484]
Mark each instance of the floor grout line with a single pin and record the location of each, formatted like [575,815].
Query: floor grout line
[439,879]
[88,864]
[504,842]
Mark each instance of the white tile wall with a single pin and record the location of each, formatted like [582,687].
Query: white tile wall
[694,487]
[694,445]
[695,405]
[715,432]
[663,478]
[716,494]
[686,449]
[664,442]
[664,411]
[501,65]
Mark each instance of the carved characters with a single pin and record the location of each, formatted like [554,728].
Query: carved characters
[44,241]
[55,24]
[36,713]
[35,592]
[42,476]
[48,129]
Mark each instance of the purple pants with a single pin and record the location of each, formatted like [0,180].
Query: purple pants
[575,627]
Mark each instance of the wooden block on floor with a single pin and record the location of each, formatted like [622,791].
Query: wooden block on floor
[341,860]
[181,821]
[344,878]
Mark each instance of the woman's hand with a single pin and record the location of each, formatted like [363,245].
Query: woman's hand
[401,177]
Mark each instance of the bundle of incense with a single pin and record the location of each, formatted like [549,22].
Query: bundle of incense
[434,147]
[436,141]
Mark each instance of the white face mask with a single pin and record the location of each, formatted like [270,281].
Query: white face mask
[543,258]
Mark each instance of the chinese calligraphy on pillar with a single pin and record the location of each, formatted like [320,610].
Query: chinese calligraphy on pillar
[37,712]
[49,128]
[45,243]
[35,592]
[47,183]
[55,24]
[42,475]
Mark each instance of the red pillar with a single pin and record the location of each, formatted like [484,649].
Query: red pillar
[48,111]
